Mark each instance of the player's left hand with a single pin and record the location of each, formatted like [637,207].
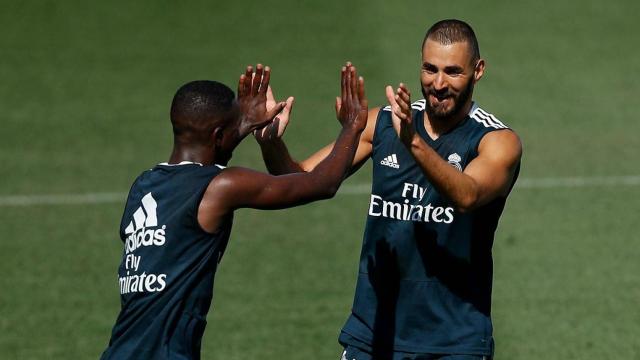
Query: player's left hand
[400,102]
[252,99]
[275,129]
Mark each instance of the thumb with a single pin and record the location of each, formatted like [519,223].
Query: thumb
[338,106]
[289,105]
[391,96]
[275,110]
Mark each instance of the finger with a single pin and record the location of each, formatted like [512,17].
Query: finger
[403,99]
[285,116]
[404,93]
[354,84]
[288,106]
[343,84]
[338,105]
[405,88]
[391,96]
[403,111]
[361,96]
[257,78]
[403,105]
[241,90]
[348,84]
[275,111]
[271,100]
[246,81]
[404,96]
[265,80]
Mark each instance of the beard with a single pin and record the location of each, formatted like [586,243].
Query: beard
[439,113]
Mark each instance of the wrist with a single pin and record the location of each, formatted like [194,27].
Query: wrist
[243,128]
[412,141]
[352,128]
[268,142]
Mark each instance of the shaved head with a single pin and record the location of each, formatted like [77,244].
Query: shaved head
[447,32]
[198,107]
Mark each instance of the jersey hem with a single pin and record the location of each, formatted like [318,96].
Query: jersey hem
[360,342]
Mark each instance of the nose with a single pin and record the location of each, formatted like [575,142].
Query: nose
[439,82]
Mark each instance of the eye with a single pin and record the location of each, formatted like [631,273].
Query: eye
[429,69]
[454,71]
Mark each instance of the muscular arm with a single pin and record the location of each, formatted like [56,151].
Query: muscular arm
[237,187]
[486,177]
[279,161]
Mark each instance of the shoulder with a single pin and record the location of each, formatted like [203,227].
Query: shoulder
[485,119]
[497,138]
[504,144]
[372,120]
[231,177]
[225,189]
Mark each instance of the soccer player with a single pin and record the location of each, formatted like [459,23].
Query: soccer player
[442,170]
[178,215]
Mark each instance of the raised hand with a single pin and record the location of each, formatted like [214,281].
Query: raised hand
[401,112]
[252,100]
[352,105]
[275,129]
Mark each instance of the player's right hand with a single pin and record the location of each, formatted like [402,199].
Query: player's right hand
[352,105]
[252,99]
[400,103]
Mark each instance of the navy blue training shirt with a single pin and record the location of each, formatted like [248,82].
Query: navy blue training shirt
[168,265]
[425,275]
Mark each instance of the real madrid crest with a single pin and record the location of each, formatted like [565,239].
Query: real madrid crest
[454,159]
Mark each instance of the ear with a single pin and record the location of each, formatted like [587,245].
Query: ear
[217,136]
[478,71]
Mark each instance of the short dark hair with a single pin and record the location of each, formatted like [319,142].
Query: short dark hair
[452,31]
[199,106]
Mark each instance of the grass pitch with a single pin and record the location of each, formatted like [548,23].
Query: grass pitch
[84,101]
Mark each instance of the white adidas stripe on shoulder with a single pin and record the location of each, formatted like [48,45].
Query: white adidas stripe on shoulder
[416,105]
[419,105]
[486,119]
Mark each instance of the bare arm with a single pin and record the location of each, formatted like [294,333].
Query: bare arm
[238,187]
[278,160]
[486,177]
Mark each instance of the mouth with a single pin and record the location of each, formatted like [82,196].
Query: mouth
[439,99]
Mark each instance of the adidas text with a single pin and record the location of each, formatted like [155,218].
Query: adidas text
[391,161]
[144,237]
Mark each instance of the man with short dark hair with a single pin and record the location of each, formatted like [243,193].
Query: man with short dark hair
[442,170]
[178,215]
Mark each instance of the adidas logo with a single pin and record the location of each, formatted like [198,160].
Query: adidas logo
[139,231]
[391,161]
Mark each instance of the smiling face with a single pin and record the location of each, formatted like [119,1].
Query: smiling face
[448,75]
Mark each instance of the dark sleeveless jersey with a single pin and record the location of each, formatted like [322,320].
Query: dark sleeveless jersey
[424,282]
[168,265]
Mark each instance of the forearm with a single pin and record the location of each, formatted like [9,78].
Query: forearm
[277,158]
[456,186]
[334,168]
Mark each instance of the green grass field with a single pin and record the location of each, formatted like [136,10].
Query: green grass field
[84,96]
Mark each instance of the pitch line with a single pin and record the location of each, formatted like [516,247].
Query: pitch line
[347,189]
[62,199]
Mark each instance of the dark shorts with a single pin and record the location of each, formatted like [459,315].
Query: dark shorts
[354,353]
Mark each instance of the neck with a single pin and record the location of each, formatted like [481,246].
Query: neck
[196,154]
[438,126]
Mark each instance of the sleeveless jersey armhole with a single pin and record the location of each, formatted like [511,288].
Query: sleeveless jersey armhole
[196,208]
[376,130]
